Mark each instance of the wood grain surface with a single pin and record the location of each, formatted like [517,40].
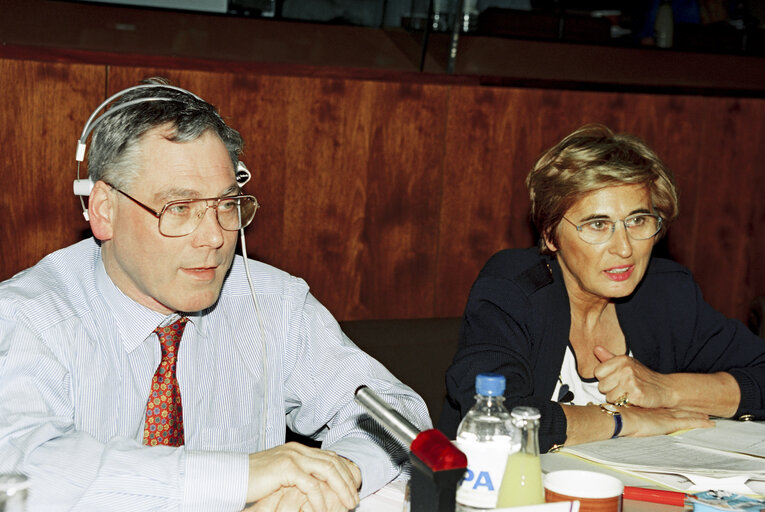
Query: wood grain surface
[388,196]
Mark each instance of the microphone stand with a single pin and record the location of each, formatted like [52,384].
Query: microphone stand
[437,465]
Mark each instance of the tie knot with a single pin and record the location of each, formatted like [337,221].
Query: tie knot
[170,335]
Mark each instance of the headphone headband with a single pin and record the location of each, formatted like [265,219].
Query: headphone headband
[82,187]
[92,121]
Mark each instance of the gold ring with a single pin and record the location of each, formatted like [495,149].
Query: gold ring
[623,401]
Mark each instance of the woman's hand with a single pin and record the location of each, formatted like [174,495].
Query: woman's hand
[623,375]
[587,423]
[640,422]
[715,394]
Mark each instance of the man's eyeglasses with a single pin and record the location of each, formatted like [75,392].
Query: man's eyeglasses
[640,226]
[179,218]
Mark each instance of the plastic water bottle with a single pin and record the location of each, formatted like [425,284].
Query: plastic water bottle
[487,436]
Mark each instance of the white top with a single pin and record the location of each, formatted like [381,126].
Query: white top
[584,390]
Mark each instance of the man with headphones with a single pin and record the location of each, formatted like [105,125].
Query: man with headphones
[150,368]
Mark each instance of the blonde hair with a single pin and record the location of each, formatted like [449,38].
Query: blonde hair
[591,158]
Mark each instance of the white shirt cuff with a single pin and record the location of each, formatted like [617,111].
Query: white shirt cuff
[375,464]
[215,481]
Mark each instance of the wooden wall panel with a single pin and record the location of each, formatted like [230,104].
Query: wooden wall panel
[483,206]
[388,197]
[43,107]
[363,195]
[729,195]
[756,276]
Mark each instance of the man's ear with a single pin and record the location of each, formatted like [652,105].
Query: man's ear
[101,209]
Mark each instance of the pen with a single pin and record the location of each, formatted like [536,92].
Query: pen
[654,496]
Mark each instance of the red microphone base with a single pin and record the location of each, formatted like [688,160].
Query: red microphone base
[437,468]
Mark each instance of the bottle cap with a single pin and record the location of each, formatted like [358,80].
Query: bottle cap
[490,384]
[523,412]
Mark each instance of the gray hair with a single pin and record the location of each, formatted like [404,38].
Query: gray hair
[114,149]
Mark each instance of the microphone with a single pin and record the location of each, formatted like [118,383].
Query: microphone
[437,464]
[386,415]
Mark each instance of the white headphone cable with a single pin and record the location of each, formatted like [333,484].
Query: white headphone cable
[262,340]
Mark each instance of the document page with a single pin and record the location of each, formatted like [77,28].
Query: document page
[729,435]
[668,454]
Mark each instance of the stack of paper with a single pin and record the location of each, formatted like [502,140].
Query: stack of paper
[730,456]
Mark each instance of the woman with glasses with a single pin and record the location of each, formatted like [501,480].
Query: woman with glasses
[603,339]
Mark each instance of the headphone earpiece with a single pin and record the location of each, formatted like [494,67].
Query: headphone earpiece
[242,175]
[82,187]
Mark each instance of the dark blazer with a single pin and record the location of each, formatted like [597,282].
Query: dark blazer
[517,323]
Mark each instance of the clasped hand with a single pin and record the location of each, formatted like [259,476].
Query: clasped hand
[295,477]
[620,375]
[657,409]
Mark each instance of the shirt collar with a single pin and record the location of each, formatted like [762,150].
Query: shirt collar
[134,321]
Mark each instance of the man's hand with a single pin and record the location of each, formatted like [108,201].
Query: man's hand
[286,475]
[291,499]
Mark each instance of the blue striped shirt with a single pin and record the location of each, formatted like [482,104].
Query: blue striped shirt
[76,361]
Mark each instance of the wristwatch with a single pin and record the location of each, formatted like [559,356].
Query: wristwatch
[613,410]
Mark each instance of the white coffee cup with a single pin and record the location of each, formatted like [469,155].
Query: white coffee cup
[595,492]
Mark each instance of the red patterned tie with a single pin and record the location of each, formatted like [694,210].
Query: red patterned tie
[164,413]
